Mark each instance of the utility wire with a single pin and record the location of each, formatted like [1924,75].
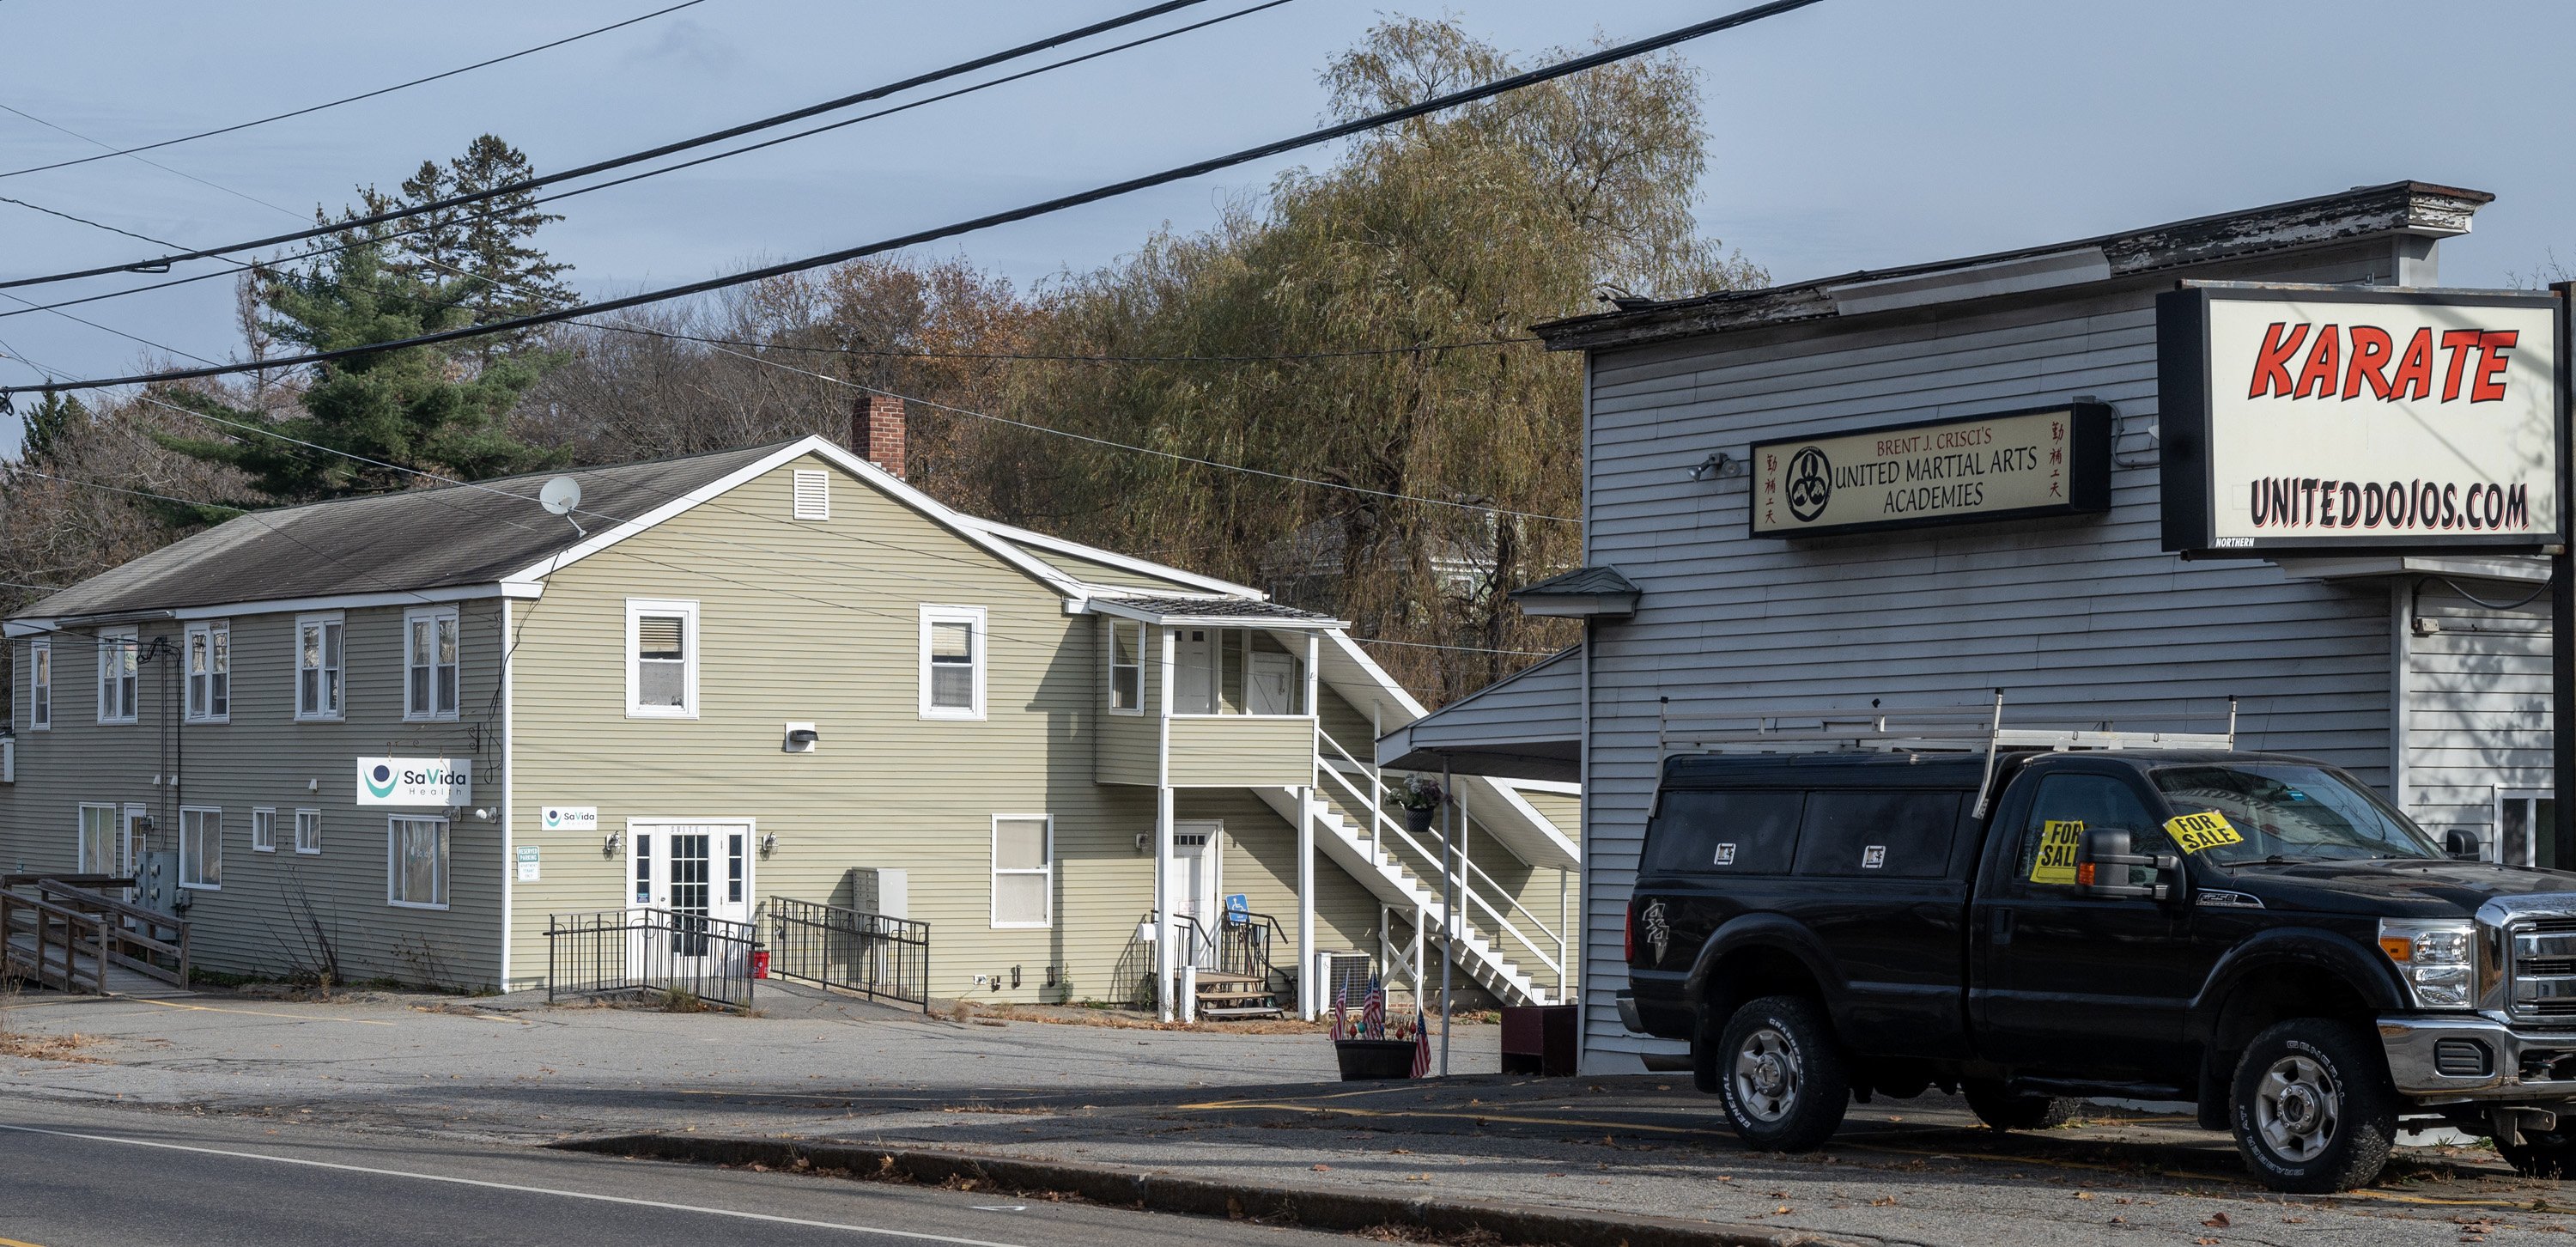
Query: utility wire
[619,162]
[207,134]
[353,240]
[1059,203]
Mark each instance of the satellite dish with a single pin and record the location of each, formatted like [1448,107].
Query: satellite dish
[560,495]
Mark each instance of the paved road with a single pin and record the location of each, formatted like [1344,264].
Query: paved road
[87,1177]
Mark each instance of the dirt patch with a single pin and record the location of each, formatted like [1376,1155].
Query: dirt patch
[1127,1019]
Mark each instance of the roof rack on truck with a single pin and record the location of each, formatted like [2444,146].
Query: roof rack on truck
[1917,729]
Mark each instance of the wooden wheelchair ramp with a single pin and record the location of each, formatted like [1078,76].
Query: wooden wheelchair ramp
[65,932]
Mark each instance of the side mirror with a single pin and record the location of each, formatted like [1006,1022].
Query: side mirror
[2112,847]
[2462,845]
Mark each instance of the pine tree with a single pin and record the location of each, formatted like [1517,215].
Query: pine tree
[413,408]
[490,241]
[45,426]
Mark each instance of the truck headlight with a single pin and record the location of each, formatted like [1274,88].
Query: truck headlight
[2438,960]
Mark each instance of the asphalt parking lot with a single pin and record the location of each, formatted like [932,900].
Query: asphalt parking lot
[1254,1108]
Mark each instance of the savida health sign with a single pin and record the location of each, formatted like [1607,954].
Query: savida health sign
[415,781]
[2000,465]
[2331,419]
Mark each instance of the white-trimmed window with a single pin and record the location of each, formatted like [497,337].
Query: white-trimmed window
[813,494]
[661,659]
[1023,870]
[308,831]
[320,641]
[416,862]
[201,847]
[429,663]
[209,650]
[1126,666]
[952,662]
[97,839]
[40,686]
[263,830]
[120,665]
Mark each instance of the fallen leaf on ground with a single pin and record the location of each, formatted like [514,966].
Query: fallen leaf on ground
[2217,1222]
[1321,1168]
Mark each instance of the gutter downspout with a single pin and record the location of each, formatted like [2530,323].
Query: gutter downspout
[2401,684]
[509,776]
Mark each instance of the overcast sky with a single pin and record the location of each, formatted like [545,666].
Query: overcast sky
[1857,133]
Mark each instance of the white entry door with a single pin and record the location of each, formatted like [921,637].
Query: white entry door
[1192,885]
[1274,684]
[1195,655]
[694,872]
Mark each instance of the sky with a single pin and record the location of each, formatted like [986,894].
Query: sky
[1852,134]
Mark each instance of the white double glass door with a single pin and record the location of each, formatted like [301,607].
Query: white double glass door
[693,872]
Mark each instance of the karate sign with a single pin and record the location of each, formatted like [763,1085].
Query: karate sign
[2336,419]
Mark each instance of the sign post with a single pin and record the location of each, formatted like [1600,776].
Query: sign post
[2562,611]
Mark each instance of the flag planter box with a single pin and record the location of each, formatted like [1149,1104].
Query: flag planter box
[1366,1060]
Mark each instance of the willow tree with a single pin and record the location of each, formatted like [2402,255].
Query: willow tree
[1458,469]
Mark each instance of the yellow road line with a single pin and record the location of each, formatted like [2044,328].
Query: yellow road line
[292,1017]
[14,1242]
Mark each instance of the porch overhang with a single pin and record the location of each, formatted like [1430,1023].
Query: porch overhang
[1214,612]
[1584,593]
[1528,726]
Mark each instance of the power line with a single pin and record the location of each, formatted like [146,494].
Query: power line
[1102,441]
[354,240]
[1059,203]
[368,95]
[1420,348]
[619,162]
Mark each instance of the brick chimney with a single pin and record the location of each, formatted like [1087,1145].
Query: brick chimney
[876,431]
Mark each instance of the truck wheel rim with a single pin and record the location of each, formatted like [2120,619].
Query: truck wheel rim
[2298,1108]
[1767,1074]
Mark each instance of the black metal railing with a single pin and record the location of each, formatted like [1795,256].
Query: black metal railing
[1232,942]
[851,949]
[681,955]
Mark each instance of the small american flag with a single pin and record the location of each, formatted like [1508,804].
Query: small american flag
[1342,1012]
[1421,1048]
[1373,1012]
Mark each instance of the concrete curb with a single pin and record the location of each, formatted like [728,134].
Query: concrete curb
[1128,1186]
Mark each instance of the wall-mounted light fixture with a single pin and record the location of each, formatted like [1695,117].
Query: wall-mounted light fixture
[768,843]
[608,847]
[801,738]
[313,785]
[1717,464]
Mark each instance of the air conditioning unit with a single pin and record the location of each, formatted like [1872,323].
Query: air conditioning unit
[1340,976]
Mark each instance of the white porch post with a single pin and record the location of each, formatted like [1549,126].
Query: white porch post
[1449,912]
[1306,996]
[1376,786]
[1164,969]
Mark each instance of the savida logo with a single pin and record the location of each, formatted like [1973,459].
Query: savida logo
[380,781]
[554,817]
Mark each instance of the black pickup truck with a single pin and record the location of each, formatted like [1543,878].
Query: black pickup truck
[2257,933]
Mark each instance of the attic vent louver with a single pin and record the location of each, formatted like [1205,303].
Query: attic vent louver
[813,494]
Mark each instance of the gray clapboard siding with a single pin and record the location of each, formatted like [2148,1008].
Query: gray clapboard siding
[2079,620]
[262,920]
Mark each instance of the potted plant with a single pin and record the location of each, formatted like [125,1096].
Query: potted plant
[1420,796]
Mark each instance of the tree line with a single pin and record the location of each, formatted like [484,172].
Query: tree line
[1283,338]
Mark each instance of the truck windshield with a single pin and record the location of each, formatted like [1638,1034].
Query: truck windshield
[2293,812]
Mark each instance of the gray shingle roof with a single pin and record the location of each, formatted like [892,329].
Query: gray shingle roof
[1581,582]
[1218,608]
[445,537]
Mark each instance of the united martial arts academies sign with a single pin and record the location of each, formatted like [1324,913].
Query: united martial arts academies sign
[2344,420]
[1999,466]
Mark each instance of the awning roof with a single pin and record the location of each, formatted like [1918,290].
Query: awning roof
[1529,726]
[1215,612]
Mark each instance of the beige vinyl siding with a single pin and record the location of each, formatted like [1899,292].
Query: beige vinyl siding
[1128,748]
[837,644]
[1233,750]
[276,909]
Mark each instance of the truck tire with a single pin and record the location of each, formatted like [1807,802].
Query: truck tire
[2003,1110]
[1782,1078]
[2313,1110]
[2541,1155]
